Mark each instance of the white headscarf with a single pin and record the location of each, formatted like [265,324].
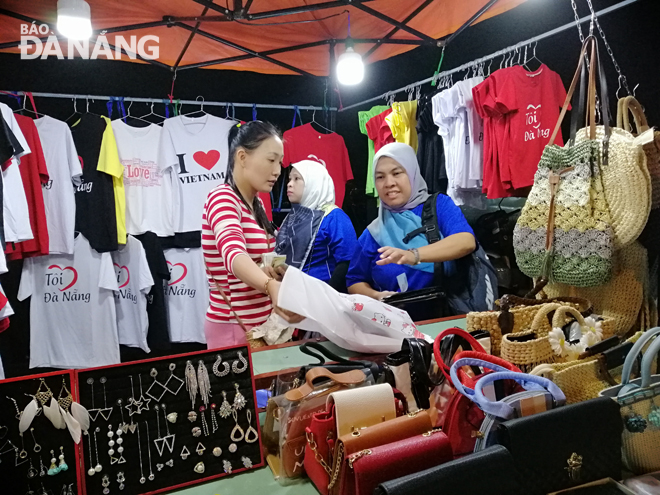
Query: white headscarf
[405,156]
[319,189]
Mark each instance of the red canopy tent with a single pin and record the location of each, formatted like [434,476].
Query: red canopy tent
[273,37]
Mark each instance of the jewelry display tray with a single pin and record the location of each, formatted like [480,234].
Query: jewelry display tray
[14,478]
[180,472]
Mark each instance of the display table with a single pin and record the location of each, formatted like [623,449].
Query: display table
[267,363]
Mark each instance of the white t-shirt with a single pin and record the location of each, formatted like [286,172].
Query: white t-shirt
[15,206]
[134,282]
[186,294]
[148,187]
[196,149]
[72,314]
[64,173]
[5,311]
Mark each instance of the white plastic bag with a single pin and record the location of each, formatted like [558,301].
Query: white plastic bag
[354,322]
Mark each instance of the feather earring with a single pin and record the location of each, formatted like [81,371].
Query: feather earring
[73,425]
[81,415]
[53,412]
[28,414]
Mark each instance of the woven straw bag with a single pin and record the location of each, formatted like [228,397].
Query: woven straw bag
[650,236]
[640,412]
[622,298]
[583,379]
[564,232]
[517,315]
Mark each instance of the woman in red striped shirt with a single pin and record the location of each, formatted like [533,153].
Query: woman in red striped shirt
[236,234]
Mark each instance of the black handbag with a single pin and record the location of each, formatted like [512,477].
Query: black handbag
[340,365]
[489,472]
[565,447]
[408,371]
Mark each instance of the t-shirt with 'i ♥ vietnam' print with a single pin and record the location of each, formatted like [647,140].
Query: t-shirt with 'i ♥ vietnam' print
[73,320]
[196,150]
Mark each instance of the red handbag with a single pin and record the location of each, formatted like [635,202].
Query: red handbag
[463,417]
[374,466]
[321,438]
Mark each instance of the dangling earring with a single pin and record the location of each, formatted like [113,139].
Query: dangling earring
[63,465]
[214,420]
[216,367]
[191,382]
[225,408]
[204,382]
[53,469]
[251,430]
[238,429]
[244,364]
[239,400]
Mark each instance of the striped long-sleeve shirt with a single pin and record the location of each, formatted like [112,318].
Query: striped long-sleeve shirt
[229,230]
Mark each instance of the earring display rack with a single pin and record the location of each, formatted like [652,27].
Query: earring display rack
[25,462]
[163,423]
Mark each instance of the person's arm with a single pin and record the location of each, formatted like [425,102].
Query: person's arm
[358,278]
[366,290]
[450,248]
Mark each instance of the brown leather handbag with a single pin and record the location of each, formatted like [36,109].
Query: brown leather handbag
[342,481]
[301,404]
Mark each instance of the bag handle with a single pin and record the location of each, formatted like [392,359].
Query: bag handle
[543,313]
[309,348]
[589,41]
[352,377]
[632,105]
[509,301]
[471,358]
[647,362]
[476,346]
[634,352]
[556,319]
[503,410]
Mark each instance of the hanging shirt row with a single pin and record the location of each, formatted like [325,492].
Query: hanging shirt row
[478,138]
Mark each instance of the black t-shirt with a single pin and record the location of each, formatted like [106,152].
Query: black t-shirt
[158,336]
[192,239]
[95,197]
[430,149]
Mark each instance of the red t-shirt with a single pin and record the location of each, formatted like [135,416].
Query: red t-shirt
[532,101]
[305,143]
[265,199]
[379,131]
[34,173]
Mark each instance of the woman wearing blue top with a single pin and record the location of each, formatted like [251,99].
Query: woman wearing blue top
[385,264]
[316,237]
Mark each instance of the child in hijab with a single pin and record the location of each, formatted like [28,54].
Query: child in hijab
[384,264]
[317,237]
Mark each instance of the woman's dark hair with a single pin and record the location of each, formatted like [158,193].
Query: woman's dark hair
[249,136]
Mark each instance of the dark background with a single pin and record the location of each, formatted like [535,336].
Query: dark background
[631,31]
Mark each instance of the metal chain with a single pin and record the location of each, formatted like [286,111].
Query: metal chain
[312,445]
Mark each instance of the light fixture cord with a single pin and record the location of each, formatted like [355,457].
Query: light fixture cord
[349,24]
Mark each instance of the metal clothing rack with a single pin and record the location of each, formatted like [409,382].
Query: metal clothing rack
[504,51]
[165,100]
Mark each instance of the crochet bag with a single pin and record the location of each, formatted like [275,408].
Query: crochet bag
[564,232]
[638,400]
[516,315]
[622,298]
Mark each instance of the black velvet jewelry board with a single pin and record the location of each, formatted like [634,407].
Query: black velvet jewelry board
[181,473]
[14,470]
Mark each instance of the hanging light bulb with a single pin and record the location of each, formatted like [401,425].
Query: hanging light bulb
[350,68]
[74,19]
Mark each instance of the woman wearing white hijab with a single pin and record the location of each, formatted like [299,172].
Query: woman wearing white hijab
[385,264]
[316,237]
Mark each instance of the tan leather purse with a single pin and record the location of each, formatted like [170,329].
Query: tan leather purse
[373,436]
[356,409]
[301,404]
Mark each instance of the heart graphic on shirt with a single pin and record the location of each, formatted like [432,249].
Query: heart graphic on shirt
[184,272]
[72,270]
[119,275]
[316,158]
[208,159]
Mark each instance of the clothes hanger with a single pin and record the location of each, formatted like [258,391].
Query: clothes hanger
[87,108]
[25,109]
[75,113]
[534,57]
[151,112]
[318,124]
[201,108]
[134,117]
